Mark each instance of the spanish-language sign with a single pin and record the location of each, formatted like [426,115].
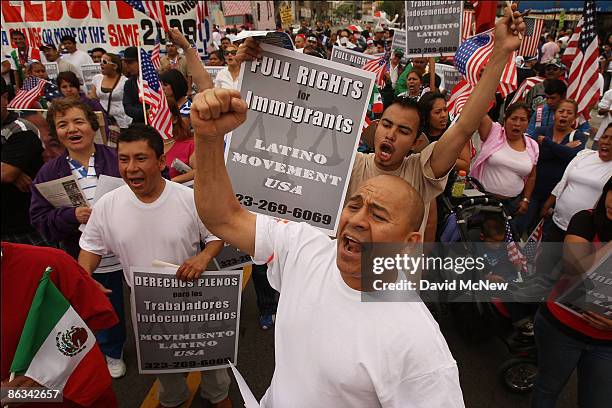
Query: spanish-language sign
[231,258]
[112,25]
[351,58]
[449,74]
[213,71]
[293,155]
[89,71]
[185,325]
[52,69]
[399,40]
[433,28]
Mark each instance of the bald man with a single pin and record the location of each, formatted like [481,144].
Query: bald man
[331,349]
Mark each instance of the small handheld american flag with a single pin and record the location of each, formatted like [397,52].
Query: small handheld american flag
[379,66]
[472,57]
[514,253]
[32,89]
[159,113]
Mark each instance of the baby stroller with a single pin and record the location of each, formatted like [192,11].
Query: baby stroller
[475,317]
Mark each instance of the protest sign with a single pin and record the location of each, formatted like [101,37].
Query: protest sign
[351,58]
[276,38]
[591,293]
[52,70]
[399,40]
[433,28]
[213,71]
[185,325]
[89,71]
[106,184]
[449,74]
[231,258]
[293,155]
[63,192]
[286,14]
[112,25]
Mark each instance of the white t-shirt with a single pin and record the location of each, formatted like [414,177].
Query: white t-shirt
[168,229]
[224,80]
[77,59]
[581,186]
[331,349]
[116,105]
[505,171]
[605,103]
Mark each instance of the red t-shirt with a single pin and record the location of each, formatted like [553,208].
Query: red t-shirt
[181,150]
[22,268]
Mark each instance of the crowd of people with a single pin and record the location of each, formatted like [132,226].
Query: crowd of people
[539,158]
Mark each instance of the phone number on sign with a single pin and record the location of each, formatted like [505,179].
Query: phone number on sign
[185,364]
[283,209]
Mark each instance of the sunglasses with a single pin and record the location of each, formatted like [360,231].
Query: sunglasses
[230,52]
[105,62]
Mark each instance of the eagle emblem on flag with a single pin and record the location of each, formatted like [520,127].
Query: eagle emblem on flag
[72,341]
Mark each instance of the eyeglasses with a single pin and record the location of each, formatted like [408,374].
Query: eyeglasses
[230,52]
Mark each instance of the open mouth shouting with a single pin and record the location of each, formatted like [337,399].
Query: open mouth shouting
[75,138]
[136,182]
[385,151]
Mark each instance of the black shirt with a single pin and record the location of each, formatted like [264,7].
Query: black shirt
[21,148]
[584,225]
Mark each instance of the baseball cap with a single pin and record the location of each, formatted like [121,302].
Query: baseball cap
[370,42]
[556,62]
[130,53]
[399,52]
[311,38]
[47,45]
[379,30]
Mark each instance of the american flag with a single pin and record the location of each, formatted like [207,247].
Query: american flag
[32,89]
[467,25]
[155,58]
[159,113]
[584,70]
[525,87]
[531,249]
[531,37]
[572,45]
[379,66]
[472,57]
[236,8]
[459,96]
[153,9]
[514,253]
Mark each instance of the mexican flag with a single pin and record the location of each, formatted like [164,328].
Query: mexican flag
[54,339]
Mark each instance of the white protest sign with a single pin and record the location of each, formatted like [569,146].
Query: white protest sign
[399,40]
[89,71]
[351,58]
[433,28]
[292,158]
[213,71]
[183,326]
[449,74]
[52,69]
[112,25]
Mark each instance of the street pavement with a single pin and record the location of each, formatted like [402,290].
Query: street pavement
[478,363]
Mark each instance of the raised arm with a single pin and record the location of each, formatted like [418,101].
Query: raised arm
[448,148]
[214,113]
[201,78]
